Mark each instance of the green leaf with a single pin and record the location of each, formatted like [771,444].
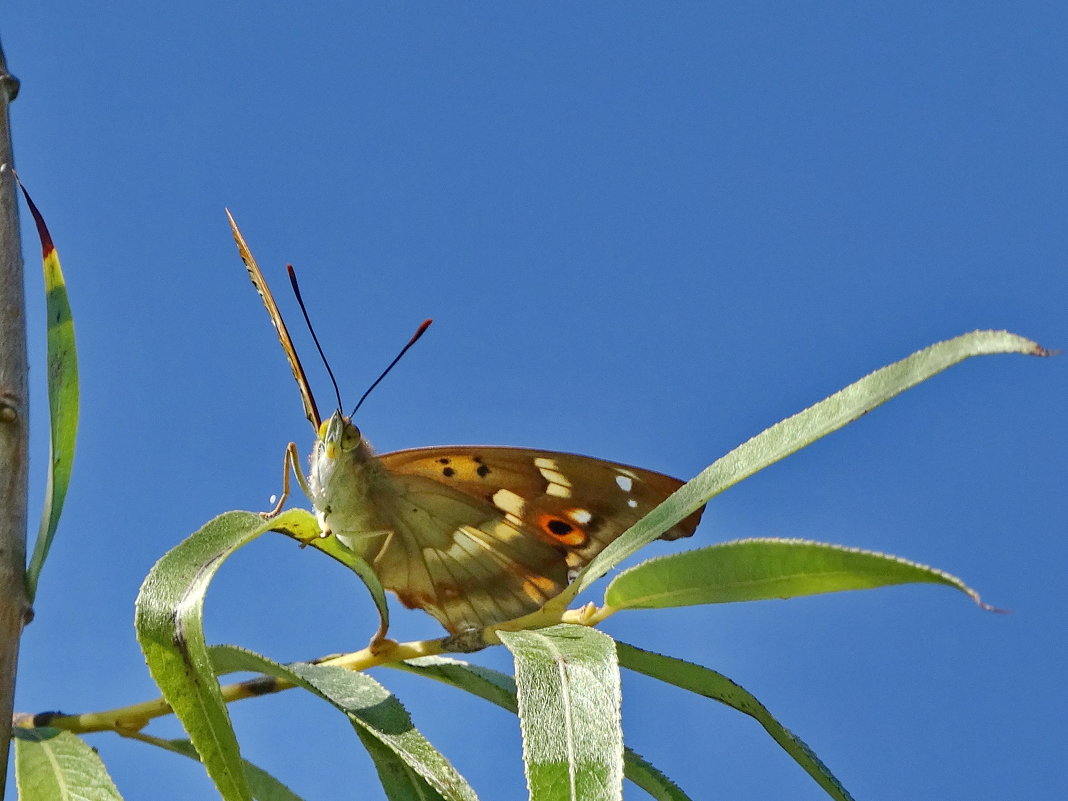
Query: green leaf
[499,688]
[54,765]
[399,781]
[169,621]
[170,629]
[490,685]
[794,433]
[756,569]
[569,712]
[650,778]
[710,684]
[62,399]
[265,787]
[409,766]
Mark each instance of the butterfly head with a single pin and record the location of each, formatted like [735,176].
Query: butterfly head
[339,463]
[338,435]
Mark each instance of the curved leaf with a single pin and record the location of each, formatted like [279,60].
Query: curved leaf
[409,766]
[569,712]
[399,781]
[756,569]
[62,398]
[169,623]
[488,684]
[170,629]
[710,684]
[650,778]
[794,433]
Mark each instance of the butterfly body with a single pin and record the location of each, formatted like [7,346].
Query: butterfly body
[475,535]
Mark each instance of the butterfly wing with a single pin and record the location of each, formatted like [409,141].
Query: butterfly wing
[458,558]
[484,534]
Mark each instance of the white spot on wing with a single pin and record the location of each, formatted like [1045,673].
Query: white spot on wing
[556,482]
[633,504]
[625,482]
[554,476]
[580,516]
[508,501]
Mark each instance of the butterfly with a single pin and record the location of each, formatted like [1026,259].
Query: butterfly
[473,535]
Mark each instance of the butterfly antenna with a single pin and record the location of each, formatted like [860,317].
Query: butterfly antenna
[315,339]
[415,338]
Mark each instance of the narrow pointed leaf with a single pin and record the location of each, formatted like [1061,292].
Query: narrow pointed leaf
[170,629]
[399,781]
[654,781]
[490,685]
[756,569]
[499,688]
[54,765]
[569,712]
[169,624]
[710,684]
[413,767]
[62,398]
[794,433]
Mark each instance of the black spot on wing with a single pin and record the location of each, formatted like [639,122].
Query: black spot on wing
[560,528]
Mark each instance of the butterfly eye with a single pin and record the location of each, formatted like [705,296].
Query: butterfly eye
[338,434]
[350,437]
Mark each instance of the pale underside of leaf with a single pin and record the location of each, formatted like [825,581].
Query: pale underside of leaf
[53,765]
[499,688]
[569,711]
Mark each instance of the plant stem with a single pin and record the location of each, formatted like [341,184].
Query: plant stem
[133,718]
[14,426]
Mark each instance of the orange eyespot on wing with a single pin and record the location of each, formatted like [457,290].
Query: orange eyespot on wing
[562,531]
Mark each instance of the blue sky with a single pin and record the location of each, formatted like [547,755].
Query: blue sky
[645,233]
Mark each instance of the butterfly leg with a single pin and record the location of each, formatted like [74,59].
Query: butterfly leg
[291,461]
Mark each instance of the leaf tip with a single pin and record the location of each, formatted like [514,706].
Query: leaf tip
[47,248]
